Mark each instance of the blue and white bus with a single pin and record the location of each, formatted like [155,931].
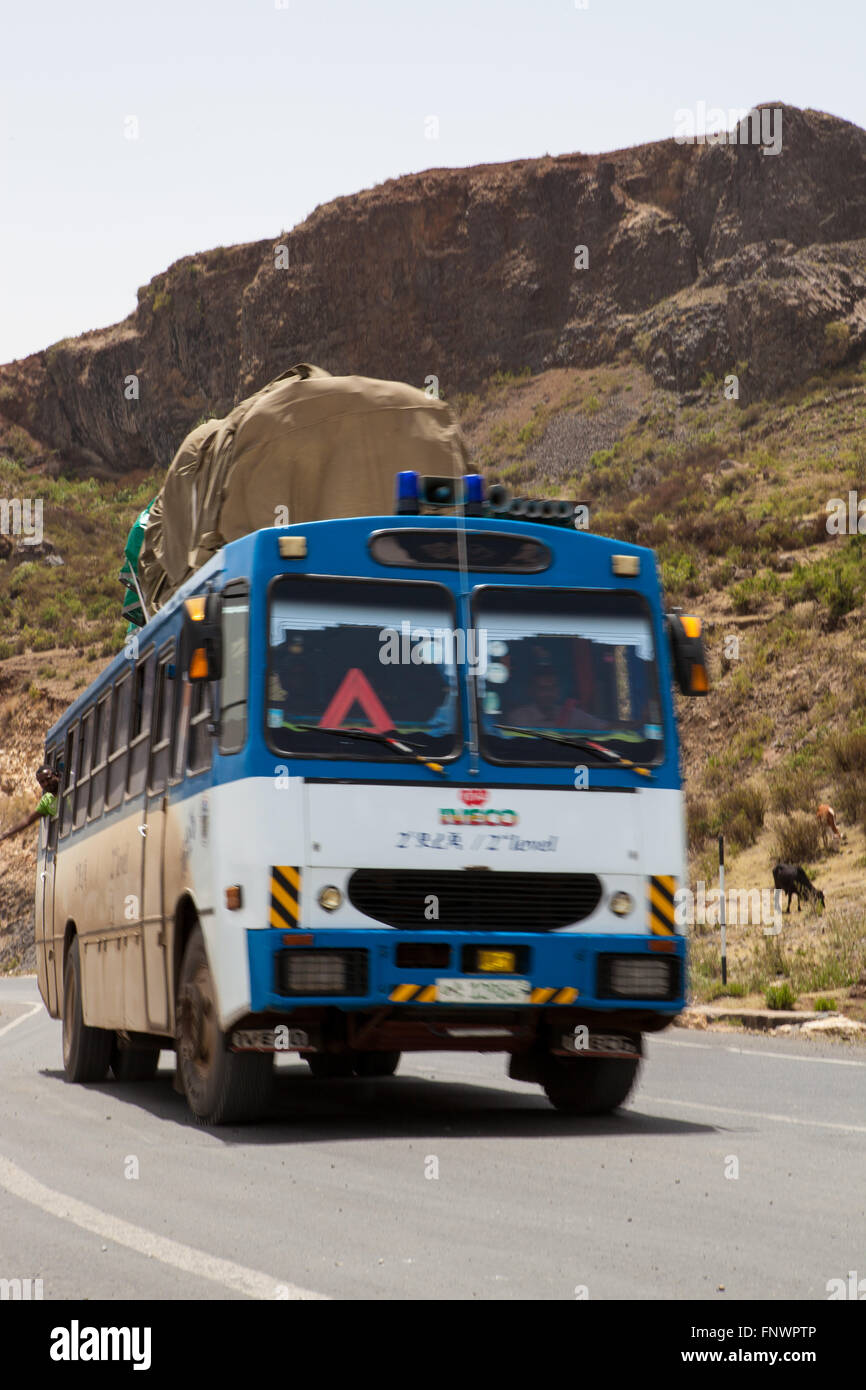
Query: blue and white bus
[375,785]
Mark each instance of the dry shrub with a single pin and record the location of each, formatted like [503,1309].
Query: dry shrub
[793,789]
[848,751]
[697,822]
[849,799]
[797,838]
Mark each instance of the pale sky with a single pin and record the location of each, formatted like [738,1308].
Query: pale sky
[252,112]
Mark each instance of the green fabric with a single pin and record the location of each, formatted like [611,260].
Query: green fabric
[131,554]
[47,805]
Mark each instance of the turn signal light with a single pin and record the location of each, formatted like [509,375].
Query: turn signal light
[502,962]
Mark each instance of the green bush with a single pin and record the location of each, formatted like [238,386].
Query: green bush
[780,997]
[823,1005]
[752,593]
[739,814]
[732,990]
[837,581]
[679,575]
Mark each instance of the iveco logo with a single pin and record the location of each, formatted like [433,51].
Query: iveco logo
[473,796]
[478,817]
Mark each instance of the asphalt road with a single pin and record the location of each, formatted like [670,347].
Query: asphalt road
[335,1196]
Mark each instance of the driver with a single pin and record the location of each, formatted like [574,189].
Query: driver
[546,708]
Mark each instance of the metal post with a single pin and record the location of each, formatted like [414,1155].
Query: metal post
[722,908]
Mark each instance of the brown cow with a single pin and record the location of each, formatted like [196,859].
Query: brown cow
[827,822]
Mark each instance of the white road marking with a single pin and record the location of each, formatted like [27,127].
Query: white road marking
[751,1114]
[34,1009]
[757,1052]
[250,1282]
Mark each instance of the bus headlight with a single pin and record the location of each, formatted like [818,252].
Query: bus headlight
[621,904]
[330,898]
[637,976]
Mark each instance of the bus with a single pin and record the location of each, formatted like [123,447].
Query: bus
[377,785]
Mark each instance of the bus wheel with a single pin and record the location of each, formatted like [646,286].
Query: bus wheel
[592,1086]
[221,1087]
[134,1063]
[330,1066]
[86,1051]
[376,1063]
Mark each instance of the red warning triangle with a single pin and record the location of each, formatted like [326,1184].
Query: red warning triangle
[354,687]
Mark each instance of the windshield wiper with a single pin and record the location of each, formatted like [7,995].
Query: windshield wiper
[374,736]
[582,743]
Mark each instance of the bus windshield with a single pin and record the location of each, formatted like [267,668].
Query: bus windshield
[361,656]
[567,668]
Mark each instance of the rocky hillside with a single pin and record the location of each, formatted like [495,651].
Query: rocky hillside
[700,258]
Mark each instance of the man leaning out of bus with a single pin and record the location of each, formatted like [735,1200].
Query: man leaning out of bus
[47,805]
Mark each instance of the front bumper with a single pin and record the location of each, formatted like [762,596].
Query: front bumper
[563,969]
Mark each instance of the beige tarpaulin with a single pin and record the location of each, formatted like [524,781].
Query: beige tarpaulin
[307,447]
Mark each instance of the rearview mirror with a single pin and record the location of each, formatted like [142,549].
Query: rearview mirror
[201,638]
[685,631]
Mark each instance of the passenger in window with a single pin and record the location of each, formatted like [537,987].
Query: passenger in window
[48,804]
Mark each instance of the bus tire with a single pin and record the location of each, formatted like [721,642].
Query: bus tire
[371,1064]
[221,1087]
[588,1086]
[134,1063]
[86,1051]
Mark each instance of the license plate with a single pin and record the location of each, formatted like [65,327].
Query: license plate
[473,991]
[600,1044]
[279,1039]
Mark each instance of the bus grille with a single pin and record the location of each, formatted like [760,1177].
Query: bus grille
[473,900]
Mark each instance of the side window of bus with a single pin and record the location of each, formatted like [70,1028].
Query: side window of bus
[100,757]
[139,729]
[200,751]
[82,778]
[118,743]
[165,694]
[68,783]
[233,688]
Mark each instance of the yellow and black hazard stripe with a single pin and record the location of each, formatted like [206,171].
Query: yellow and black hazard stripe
[414,994]
[660,905]
[553,996]
[285,896]
[426,994]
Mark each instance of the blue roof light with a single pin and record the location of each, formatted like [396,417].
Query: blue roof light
[473,494]
[474,487]
[407,493]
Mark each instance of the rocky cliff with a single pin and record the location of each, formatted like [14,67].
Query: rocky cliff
[699,258]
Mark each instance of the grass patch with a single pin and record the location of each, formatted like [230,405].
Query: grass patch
[780,997]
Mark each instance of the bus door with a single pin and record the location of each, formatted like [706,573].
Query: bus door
[153,907]
[45,943]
